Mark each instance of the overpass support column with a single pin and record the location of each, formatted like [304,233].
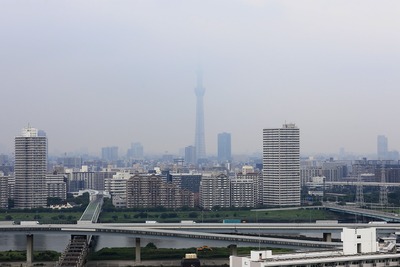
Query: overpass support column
[29,249]
[327,237]
[233,249]
[137,249]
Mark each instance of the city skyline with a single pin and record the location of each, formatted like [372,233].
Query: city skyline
[97,74]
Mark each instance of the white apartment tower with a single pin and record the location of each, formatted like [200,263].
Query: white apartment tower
[30,169]
[281,166]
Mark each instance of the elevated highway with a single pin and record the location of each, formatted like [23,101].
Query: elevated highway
[196,231]
[377,214]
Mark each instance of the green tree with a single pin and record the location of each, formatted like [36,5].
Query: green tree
[54,201]
[151,245]
[193,215]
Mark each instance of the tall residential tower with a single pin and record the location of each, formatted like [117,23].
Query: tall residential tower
[30,169]
[199,141]
[382,147]
[224,147]
[281,166]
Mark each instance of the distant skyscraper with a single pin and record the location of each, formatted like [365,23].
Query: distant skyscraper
[224,147]
[136,151]
[199,141]
[382,147]
[190,155]
[30,169]
[109,153]
[281,166]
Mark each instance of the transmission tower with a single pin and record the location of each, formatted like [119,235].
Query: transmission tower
[360,192]
[383,198]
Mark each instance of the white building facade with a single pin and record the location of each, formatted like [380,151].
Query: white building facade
[281,166]
[30,169]
[360,249]
[215,191]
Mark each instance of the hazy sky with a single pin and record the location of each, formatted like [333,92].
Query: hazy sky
[100,73]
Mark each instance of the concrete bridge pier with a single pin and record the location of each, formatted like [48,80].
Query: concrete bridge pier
[233,249]
[137,250]
[327,237]
[29,249]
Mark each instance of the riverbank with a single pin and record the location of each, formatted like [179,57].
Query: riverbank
[155,263]
[125,263]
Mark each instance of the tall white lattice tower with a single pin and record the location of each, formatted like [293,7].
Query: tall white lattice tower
[199,140]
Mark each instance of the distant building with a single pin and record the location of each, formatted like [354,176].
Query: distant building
[391,167]
[71,162]
[97,183]
[3,191]
[334,171]
[243,192]
[382,147]
[136,151]
[30,169]
[109,153]
[224,147]
[81,180]
[308,172]
[116,186]
[150,191]
[190,182]
[247,188]
[281,166]
[56,186]
[190,155]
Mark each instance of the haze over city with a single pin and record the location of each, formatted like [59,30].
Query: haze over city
[104,73]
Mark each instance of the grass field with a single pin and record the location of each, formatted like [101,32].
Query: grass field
[291,216]
[42,217]
[165,253]
[301,215]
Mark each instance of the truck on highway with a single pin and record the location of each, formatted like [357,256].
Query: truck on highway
[29,223]
[231,221]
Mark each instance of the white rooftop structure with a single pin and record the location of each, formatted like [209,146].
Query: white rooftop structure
[29,132]
[360,248]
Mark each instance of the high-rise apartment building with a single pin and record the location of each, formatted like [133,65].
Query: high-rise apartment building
[215,191]
[149,191]
[224,147]
[3,191]
[281,166]
[382,147]
[30,169]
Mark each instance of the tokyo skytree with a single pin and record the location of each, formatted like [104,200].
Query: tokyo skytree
[199,141]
